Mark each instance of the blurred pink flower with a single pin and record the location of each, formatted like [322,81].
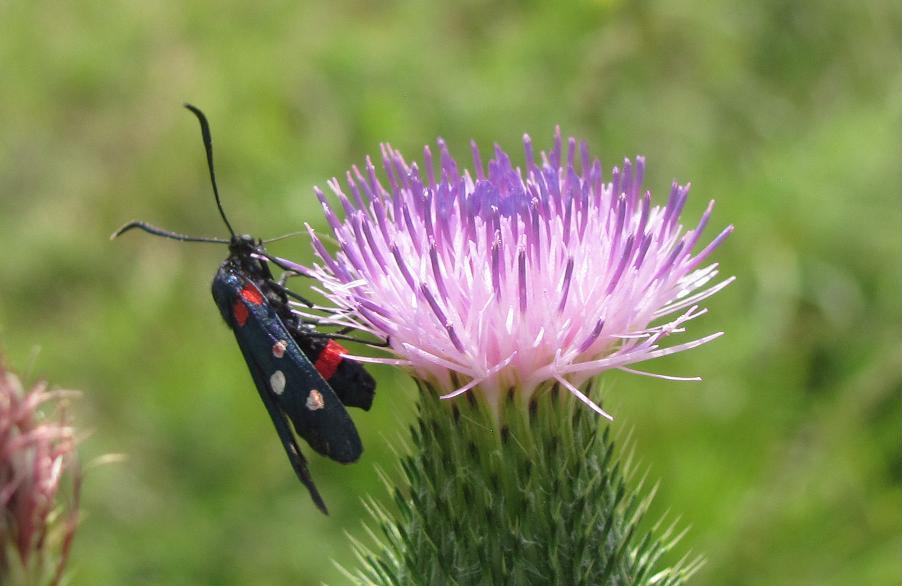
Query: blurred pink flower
[515,277]
[37,458]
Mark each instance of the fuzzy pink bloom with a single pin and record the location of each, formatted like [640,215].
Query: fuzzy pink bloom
[512,277]
[36,453]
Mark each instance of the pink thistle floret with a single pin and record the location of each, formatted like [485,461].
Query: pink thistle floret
[37,456]
[512,277]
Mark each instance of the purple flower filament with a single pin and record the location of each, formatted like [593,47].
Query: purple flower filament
[514,277]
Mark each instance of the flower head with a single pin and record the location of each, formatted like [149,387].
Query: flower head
[36,528]
[511,277]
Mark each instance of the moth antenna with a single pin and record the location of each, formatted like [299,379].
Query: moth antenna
[208,148]
[151,229]
[284,236]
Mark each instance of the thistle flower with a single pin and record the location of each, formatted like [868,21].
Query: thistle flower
[37,461]
[515,282]
[515,278]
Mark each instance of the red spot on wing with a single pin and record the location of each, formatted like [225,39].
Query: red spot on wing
[252,295]
[240,311]
[329,359]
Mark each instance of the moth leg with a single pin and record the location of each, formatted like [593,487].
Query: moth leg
[280,286]
[289,273]
[315,322]
[340,335]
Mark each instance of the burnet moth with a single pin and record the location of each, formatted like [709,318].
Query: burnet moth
[300,372]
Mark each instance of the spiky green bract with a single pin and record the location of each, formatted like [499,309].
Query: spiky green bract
[533,494]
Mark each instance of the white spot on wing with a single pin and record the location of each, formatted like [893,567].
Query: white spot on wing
[315,400]
[277,382]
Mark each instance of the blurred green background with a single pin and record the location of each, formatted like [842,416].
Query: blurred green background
[784,461]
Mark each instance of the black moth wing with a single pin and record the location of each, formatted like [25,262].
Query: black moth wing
[354,386]
[282,372]
[295,456]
